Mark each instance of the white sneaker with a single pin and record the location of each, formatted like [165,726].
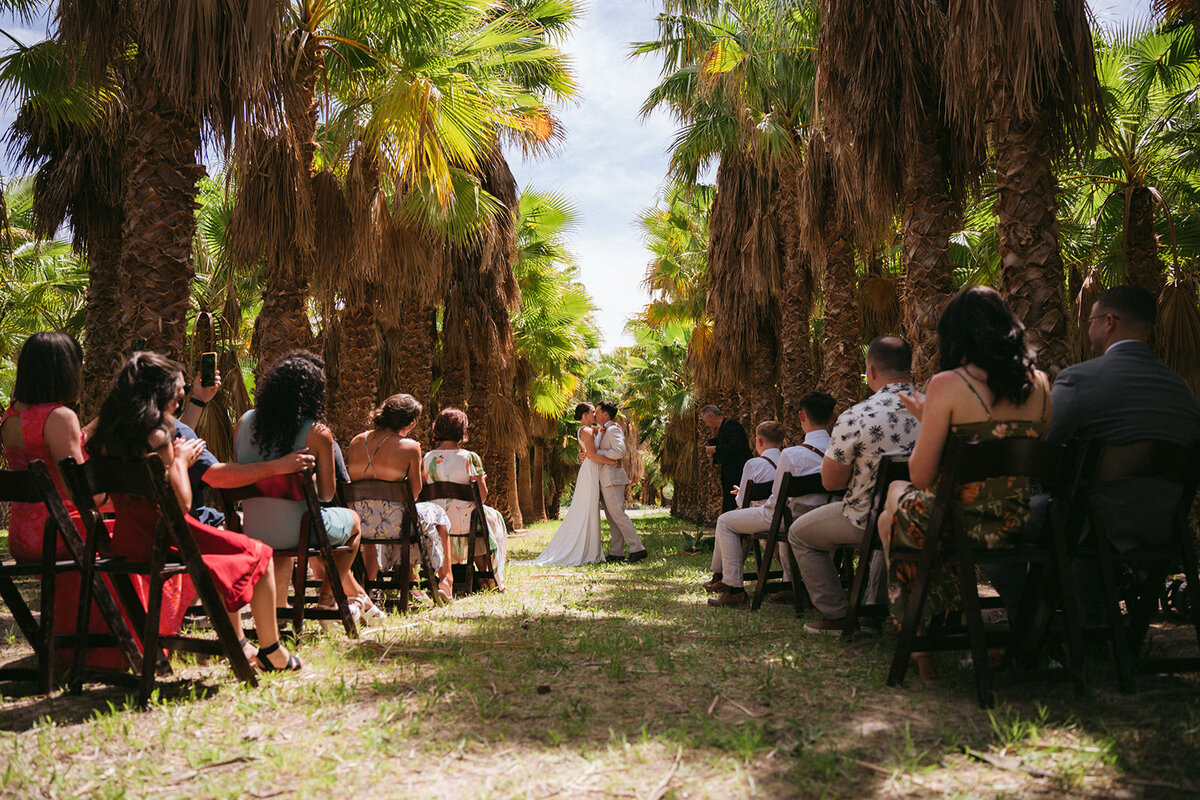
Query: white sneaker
[356,613]
[372,614]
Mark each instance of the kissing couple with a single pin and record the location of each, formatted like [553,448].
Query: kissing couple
[601,482]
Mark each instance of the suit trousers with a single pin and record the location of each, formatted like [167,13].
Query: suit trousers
[814,538]
[730,548]
[612,500]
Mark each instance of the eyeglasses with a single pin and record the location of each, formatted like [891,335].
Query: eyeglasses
[1102,316]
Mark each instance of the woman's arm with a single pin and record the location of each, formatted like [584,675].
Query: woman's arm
[64,439]
[587,438]
[480,477]
[320,444]
[934,417]
[414,475]
[177,457]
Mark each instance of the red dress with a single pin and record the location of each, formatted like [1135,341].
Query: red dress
[25,544]
[236,562]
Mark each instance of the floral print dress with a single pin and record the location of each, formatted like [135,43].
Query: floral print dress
[460,466]
[993,513]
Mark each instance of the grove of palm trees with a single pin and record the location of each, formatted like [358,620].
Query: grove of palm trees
[249,177]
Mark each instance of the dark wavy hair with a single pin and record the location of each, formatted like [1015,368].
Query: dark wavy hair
[397,412]
[49,369]
[977,327]
[450,425]
[291,391]
[582,409]
[136,406]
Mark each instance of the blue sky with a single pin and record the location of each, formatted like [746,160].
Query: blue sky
[612,164]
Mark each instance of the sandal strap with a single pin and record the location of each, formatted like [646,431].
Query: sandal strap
[266,651]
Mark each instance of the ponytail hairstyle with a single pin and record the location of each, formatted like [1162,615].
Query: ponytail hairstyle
[977,327]
[136,406]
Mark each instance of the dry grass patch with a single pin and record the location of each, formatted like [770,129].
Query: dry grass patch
[610,681]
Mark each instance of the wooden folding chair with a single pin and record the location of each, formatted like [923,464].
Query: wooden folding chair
[146,478]
[35,485]
[1126,632]
[791,486]
[472,576]
[399,578]
[890,468]
[303,603]
[947,539]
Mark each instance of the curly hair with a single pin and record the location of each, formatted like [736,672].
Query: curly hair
[977,327]
[450,425]
[291,391]
[136,406]
[397,412]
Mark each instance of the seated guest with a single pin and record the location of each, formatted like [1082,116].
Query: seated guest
[729,449]
[39,426]
[728,546]
[987,389]
[1124,395]
[865,433]
[385,453]
[448,461]
[289,415]
[209,471]
[137,418]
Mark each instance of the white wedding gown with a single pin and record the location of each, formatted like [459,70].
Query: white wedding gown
[577,540]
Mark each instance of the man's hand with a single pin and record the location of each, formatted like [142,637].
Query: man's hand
[205,393]
[188,450]
[295,461]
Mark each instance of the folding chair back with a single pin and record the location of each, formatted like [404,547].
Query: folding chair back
[290,487]
[1160,461]
[755,492]
[400,578]
[146,478]
[34,485]
[890,469]
[790,487]
[945,538]
[473,576]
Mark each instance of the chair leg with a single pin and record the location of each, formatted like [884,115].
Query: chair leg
[471,558]
[299,590]
[798,590]
[1112,608]
[859,585]
[150,653]
[87,576]
[405,573]
[969,591]
[46,650]
[764,569]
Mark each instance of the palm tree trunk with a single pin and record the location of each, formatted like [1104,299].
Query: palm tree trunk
[351,403]
[795,306]
[929,219]
[409,343]
[160,218]
[525,482]
[103,335]
[1143,267]
[537,480]
[843,329]
[456,372]
[1031,262]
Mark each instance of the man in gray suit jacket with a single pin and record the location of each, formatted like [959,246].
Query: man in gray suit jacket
[1125,395]
[610,449]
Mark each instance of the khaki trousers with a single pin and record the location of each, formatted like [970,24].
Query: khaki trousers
[814,538]
[612,500]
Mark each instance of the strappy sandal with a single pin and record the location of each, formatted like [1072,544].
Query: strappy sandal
[293,661]
[251,654]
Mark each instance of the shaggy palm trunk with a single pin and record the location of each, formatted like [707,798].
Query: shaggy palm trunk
[1027,210]
[351,403]
[499,463]
[456,371]
[282,323]
[537,479]
[843,329]
[930,217]
[1143,267]
[410,342]
[103,336]
[160,219]
[795,307]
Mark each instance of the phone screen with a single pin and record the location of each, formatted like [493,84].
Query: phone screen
[208,369]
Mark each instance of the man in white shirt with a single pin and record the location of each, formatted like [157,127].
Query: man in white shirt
[816,412]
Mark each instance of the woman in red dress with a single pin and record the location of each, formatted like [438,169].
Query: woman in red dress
[138,418]
[39,426]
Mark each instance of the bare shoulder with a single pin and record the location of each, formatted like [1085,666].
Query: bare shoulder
[319,433]
[63,418]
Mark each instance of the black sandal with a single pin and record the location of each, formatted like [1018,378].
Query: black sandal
[293,661]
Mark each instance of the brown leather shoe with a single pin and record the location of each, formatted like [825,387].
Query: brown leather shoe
[611,559]
[782,597]
[728,598]
[714,585]
[636,557]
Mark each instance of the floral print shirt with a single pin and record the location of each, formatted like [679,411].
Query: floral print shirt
[865,433]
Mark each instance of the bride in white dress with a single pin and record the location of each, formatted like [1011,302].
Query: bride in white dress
[577,540]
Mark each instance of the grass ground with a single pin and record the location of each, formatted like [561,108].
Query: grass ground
[609,681]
